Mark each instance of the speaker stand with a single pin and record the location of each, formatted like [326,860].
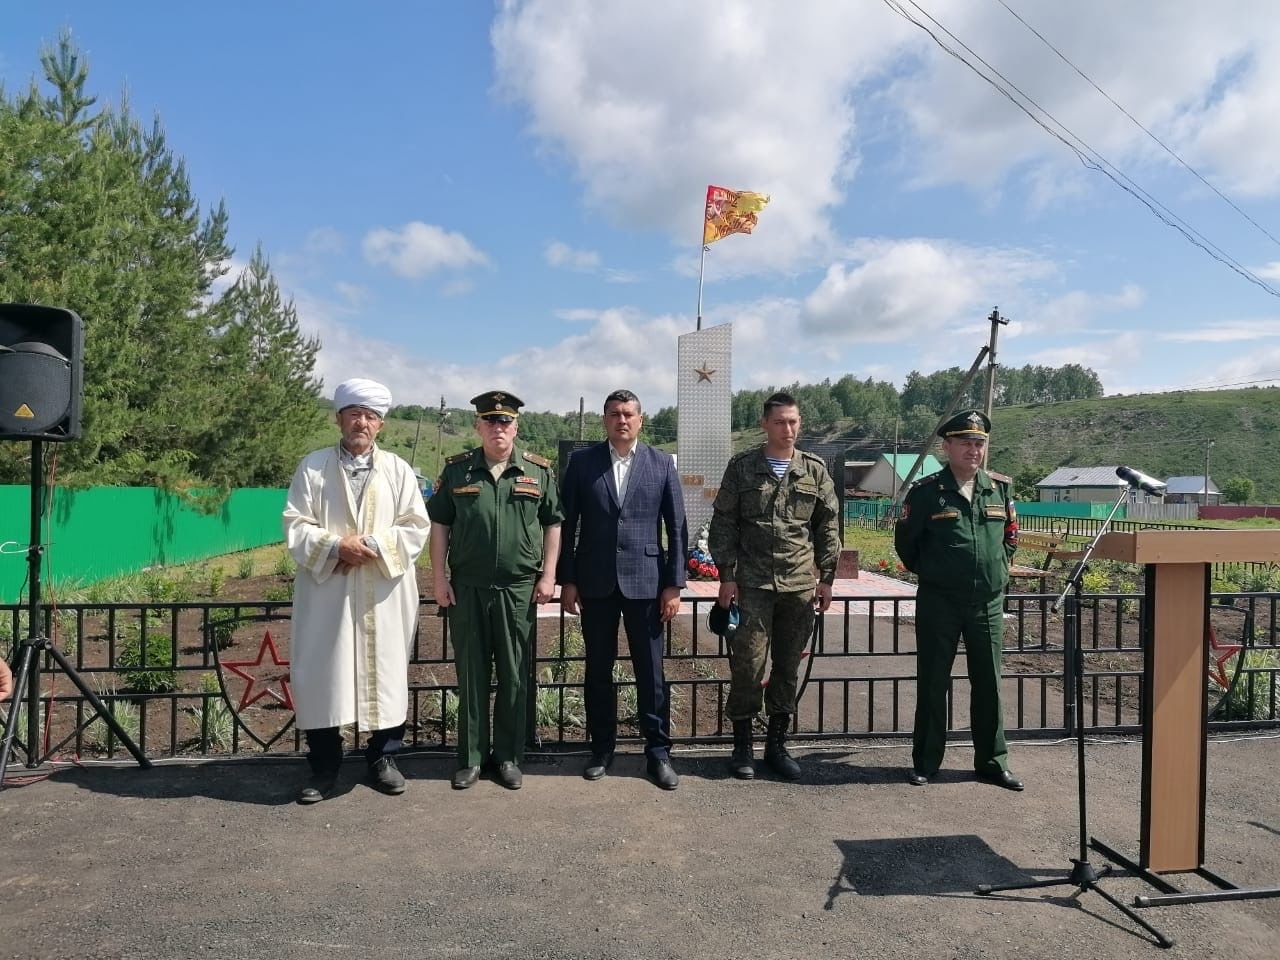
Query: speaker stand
[26,671]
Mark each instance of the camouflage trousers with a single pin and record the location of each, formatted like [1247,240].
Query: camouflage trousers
[776,626]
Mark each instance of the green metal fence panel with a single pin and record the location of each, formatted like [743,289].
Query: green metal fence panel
[105,531]
[866,511]
[1096,511]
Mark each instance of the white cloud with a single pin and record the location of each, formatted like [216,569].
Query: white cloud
[648,103]
[1075,311]
[418,249]
[563,256]
[1109,359]
[1269,272]
[234,267]
[1260,367]
[890,290]
[354,294]
[1188,72]
[324,241]
[1227,332]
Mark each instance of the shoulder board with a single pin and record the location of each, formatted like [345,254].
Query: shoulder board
[812,456]
[999,477]
[459,457]
[534,458]
[931,478]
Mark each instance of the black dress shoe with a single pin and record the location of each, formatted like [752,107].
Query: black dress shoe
[318,788]
[465,777]
[385,776]
[509,775]
[597,766]
[661,773]
[916,778]
[1001,778]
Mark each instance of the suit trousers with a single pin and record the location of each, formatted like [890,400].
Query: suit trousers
[642,621]
[324,747]
[492,627]
[941,620]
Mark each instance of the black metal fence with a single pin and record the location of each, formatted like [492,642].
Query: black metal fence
[201,678]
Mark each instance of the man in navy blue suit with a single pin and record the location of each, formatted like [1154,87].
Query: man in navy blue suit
[620,497]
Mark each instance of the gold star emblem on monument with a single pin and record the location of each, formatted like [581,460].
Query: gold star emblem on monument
[703,373]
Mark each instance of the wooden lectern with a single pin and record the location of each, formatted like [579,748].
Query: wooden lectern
[1174,703]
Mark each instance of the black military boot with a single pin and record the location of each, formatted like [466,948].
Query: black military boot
[742,764]
[775,748]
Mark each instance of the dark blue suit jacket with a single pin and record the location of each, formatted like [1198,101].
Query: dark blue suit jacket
[607,544]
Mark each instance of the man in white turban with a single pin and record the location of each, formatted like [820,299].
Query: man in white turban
[355,524]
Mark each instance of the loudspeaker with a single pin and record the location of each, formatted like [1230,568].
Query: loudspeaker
[41,372]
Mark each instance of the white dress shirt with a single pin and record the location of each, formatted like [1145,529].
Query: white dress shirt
[621,468]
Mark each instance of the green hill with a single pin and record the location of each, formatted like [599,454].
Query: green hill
[1162,434]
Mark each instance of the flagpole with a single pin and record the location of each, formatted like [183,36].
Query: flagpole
[701,267]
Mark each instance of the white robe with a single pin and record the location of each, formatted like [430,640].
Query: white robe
[352,632]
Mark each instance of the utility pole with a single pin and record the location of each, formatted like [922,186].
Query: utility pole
[951,406]
[997,322]
[440,434]
[1207,447]
[582,417]
[413,458]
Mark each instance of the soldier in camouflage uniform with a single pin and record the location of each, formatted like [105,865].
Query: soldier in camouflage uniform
[776,519]
[496,519]
[957,532]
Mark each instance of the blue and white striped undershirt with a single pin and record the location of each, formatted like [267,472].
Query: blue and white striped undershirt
[779,467]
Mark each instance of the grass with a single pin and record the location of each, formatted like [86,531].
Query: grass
[126,713]
[213,716]
[1253,703]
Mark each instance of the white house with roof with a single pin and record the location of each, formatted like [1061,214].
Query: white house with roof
[1191,490]
[891,469]
[1087,485]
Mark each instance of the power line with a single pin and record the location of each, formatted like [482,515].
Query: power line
[1167,149]
[1087,155]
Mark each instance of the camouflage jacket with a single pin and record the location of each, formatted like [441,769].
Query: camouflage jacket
[770,533]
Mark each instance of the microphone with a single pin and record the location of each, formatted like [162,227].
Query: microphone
[1136,478]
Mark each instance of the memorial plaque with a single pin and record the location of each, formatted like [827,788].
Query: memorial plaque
[566,449]
[703,398]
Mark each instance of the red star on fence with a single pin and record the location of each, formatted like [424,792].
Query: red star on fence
[1219,654]
[267,680]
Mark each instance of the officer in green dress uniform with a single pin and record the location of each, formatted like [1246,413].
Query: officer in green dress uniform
[495,519]
[957,533]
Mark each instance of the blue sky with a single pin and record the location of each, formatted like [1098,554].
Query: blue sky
[463,196]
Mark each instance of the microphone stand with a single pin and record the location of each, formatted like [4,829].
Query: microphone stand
[1083,876]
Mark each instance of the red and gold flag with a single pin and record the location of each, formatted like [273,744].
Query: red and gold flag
[730,211]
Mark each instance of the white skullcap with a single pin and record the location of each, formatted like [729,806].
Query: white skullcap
[369,394]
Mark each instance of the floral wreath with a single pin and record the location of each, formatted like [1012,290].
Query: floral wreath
[700,563]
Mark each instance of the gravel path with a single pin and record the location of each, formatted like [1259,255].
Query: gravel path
[214,860]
